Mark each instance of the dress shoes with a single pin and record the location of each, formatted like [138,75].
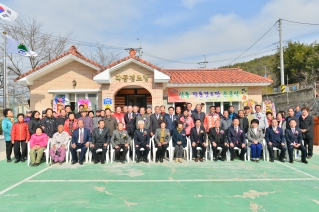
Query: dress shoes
[309,157]
[96,162]
[146,160]
[304,161]
[196,159]
[201,159]
[8,161]
[271,160]
[73,162]
[232,159]
[161,160]
[291,161]
[17,161]
[102,162]
[122,161]
[156,160]
[81,162]
[22,160]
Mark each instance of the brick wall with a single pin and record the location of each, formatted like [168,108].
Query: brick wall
[59,79]
[254,93]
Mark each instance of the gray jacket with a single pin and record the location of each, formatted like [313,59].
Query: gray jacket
[95,121]
[157,136]
[252,136]
[146,119]
[58,140]
[225,123]
[118,138]
[263,123]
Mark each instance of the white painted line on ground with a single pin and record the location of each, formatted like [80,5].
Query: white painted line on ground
[23,181]
[293,168]
[167,181]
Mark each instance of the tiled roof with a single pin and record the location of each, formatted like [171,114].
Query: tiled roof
[222,75]
[177,76]
[72,51]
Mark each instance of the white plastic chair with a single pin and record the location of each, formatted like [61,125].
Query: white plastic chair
[236,149]
[112,152]
[275,152]
[67,151]
[46,151]
[218,148]
[263,148]
[172,150]
[197,149]
[97,151]
[142,149]
[79,151]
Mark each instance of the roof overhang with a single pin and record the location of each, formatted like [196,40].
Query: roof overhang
[104,77]
[218,85]
[75,91]
[28,80]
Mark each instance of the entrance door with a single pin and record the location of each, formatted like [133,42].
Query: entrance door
[138,100]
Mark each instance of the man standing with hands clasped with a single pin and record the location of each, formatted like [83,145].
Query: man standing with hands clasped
[100,140]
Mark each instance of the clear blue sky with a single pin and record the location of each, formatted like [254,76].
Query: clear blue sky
[180,30]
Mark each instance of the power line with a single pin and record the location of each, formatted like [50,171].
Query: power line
[296,22]
[254,43]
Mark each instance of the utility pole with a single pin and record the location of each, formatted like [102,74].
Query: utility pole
[202,64]
[282,76]
[140,52]
[266,77]
[5,71]
[287,90]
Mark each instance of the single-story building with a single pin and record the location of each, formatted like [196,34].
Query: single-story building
[134,81]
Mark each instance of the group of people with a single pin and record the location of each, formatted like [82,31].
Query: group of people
[136,126]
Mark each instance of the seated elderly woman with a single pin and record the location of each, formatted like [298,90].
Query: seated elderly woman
[255,138]
[179,141]
[38,144]
[161,138]
[59,143]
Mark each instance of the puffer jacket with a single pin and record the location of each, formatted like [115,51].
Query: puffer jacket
[50,125]
[41,140]
[6,127]
[33,125]
[20,132]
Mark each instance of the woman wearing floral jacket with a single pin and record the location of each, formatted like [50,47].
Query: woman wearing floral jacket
[70,124]
[20,136]
[38,144]
[255,138]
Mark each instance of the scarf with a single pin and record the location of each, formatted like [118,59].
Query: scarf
[71,126]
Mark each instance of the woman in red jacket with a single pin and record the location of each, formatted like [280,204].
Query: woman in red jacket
[70,124]
[20,136]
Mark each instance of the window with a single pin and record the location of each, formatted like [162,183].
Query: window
[93,100]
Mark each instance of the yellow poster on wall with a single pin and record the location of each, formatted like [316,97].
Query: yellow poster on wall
[229,94]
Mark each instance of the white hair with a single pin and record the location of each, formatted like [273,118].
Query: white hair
[140,122]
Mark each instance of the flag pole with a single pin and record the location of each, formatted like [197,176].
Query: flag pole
[5,72]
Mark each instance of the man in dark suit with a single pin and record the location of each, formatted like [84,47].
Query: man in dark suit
[217,138]
[142,140]
[275,138]
[198,139]
[78,114]
[171,120]
[306,124]
[100,140]
[198,114]
[291,115]
[243,121]
[155,119]
[81,139]
[236,138]
[129,119]
[293,137]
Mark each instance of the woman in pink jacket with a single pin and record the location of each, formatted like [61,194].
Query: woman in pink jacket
[38,143]
[187,121]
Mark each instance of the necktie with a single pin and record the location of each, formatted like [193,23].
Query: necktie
[293,131]
[81,136]
[236,129]
[101,131]
[141,131]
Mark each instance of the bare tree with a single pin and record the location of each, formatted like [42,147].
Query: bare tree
[31,32]
[102,55]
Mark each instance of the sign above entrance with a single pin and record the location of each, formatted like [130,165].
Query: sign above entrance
[131,78]
[236,94]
